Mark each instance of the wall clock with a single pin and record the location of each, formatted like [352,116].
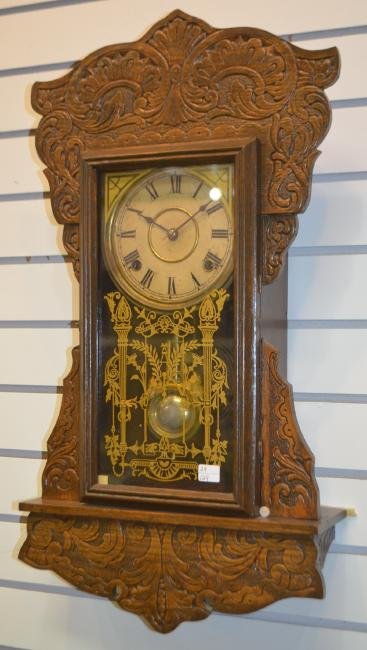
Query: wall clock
[177,481]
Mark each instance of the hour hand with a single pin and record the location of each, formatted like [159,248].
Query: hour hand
[149,220]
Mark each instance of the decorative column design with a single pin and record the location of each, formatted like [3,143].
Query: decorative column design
[209,314]
[121,319]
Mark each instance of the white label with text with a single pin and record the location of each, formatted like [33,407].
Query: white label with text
[209,473]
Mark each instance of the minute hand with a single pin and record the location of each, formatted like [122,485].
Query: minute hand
[201,209]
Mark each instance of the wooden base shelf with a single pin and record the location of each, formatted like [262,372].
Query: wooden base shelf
[329,517]
[168,569]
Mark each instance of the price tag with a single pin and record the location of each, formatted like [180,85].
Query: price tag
[209,473]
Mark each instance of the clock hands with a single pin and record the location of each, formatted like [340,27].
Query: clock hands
[201,209]
[172,233]
[150,220]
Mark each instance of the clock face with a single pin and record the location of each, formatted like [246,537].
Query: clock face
[169,236]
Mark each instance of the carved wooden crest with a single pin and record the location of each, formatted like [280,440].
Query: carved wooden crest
[185,81]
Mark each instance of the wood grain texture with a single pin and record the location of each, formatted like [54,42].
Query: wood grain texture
[185,82]
[169,574]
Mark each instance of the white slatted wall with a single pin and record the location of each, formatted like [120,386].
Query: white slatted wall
[327,329]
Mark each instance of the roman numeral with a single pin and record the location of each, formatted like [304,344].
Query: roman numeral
[214,208]
[211,261]
[197,190]
[176,183]
[151,191]
[219,233]
[127,234]
[132,257]
[196,281]
[171,286]
[146,280]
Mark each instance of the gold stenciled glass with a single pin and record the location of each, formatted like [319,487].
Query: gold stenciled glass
[167,239]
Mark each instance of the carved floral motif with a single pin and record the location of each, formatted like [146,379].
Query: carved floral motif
[170,574]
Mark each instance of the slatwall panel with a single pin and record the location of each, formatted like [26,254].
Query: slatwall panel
[327,327]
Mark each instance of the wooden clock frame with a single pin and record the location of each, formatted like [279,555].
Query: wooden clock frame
[188,86]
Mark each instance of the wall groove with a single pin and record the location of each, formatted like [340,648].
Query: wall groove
[26,388]
[17,133]
[39,324]
[324,324]
[295,251]
[333,32]
[293,324]
[324,472]
[24,196]
[340,398]
[41,6]
[336,177]
[41,67]
[348,103]
[35,259]
[351,249]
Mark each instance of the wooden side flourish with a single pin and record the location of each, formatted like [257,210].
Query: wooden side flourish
[60,477]
[71,243]
[186,81]
[289,487]
[170,574]
[278,233]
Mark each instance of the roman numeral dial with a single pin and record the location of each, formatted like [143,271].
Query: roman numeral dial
[171,286]
[169,237]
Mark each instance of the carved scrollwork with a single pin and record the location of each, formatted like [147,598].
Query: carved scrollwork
[61,474]
[278,234]
[289,486]
[72,246]
[185,81]
[245,76]
[320,70]
[295,134]
[120,88]
[60,147]
[170,574]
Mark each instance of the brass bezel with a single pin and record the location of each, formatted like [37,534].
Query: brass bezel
[116,269]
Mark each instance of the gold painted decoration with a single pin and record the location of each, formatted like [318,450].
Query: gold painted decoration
[168,372]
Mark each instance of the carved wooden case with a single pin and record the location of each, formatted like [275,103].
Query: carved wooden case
[186,86]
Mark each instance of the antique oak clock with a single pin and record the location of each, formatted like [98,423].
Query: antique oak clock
[177,481]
